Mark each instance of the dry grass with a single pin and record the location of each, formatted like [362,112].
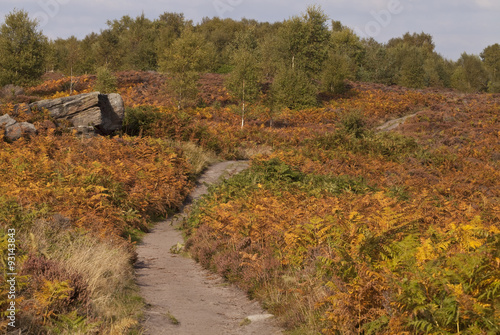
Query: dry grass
[198,157]
[105,267]
[259,150]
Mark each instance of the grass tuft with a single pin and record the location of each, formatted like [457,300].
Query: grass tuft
[172,319]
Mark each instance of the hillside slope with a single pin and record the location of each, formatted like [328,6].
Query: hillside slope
[335,227]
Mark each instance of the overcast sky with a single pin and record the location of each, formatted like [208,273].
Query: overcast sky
[456,25]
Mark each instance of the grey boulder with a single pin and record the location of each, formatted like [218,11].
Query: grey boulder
[103,112]
[18,130]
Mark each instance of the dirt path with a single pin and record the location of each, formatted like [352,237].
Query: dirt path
[393,124]
[185,299]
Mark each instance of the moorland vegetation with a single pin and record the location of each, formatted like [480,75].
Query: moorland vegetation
[337,227]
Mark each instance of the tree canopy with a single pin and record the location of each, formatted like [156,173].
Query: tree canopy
[23,50]
[317,49]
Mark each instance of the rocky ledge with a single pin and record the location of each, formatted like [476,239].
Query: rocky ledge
[88,113]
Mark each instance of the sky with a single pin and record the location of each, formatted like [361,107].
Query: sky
[457,26]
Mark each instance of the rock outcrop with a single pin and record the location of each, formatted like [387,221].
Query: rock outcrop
[15,130]
[18,130]
[102,112]
[89,113]
[6,121]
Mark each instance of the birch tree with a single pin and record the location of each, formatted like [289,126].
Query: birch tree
[189,55]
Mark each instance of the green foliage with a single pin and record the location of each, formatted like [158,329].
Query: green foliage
[66,55]
[338,68]
[106,82]
[221,34]
[353,123]
[13,214]
[128,43]
[269,55]
[188,56]
[392,146]
[140,120]
[304,41]
[276,175]
[470,74]
[244,80]
[447,293]
[412,72]
[438,71]
[52,293]
[399,192]
[409,61]
[293,89]
[275,170]
[74,324]
[139,41]
[378,64]
[22,50]
[421,40]
[90,58]
[491,59]
[169,27]
[106,50]
[344,41]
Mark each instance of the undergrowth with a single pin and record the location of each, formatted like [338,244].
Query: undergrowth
[336,228]
[347,260]
[77,206]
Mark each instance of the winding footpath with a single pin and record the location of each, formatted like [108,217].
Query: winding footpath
[182,297]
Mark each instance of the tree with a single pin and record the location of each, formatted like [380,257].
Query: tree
[243,82]
[345,56]
[174,23]
[270,59]
[189,55]
[22,50]
[414,61]
[338,68]
[128,44]
[302,48]
[491,60]
[292,89]
[89,61]
[106,50]
[106,82]
[67,55]
[378,64]
[344,41]
[138,42]
[421,40]
[221,33]
[438,71]
[470,74]
[168,28]
[410,64]
[304,41]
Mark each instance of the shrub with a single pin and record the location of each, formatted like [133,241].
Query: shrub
[392,146]
[140,120]
[106,82]
[354,124]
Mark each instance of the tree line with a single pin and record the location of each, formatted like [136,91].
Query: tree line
[293,60]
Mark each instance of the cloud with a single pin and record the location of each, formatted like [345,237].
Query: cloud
[488,4]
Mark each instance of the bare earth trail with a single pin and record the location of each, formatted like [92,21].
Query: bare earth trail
[185,299]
